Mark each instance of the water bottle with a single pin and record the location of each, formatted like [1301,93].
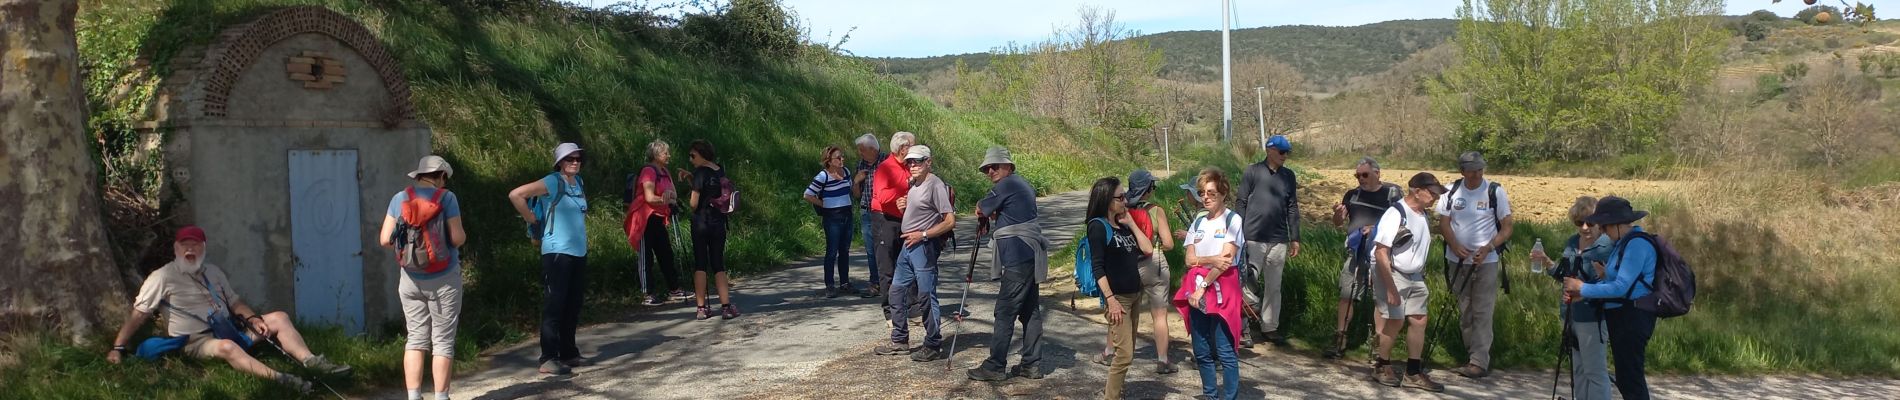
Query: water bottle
[1537,267]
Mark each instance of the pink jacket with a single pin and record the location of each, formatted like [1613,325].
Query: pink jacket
[1224,303]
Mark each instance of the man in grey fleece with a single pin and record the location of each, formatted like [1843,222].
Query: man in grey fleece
[1020,259]
[1269,206]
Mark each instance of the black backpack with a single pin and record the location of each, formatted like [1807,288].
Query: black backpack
[1491,190]
[1672,292]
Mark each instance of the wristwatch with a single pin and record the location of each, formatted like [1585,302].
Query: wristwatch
[118,348]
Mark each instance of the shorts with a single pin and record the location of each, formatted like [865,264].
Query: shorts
[1412,296]
[1155,279]
[199,345]
[1348,280]
[431,310]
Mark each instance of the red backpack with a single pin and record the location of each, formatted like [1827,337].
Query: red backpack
[421,238]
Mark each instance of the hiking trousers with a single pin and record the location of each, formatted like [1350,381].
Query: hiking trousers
[1630,329]
[1270,260]
[1477,295]
[1019,301]
[563,284]
[917,270]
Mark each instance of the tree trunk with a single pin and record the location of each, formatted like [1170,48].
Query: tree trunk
[58,276]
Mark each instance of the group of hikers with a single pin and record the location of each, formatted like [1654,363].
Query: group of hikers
[1236,245]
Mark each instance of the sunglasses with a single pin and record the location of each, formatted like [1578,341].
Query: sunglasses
[1362,175]
[571,159]
[916,161]
[987,169]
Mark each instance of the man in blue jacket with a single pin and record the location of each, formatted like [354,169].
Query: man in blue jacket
[1631,272]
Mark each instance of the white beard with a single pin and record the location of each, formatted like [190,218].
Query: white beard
[190,267]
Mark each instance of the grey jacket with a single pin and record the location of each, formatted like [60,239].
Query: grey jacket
[1030,232]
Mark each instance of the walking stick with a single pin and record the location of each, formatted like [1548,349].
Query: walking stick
[969,278]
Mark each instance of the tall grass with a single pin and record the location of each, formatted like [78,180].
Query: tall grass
[500,91]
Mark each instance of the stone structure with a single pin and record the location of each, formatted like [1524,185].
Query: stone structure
[285,138]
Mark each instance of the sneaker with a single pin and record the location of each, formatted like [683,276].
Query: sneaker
[576,362]
[302,387]
[868,292]
[1164,368]
[1026,371]
[653,301]
[1339,346]
[831,293]
[728,311]
[552,367]
[986,375]
[892,349]
[681,295]
[323,365]
[926,354]
[1421,381]
[704,313]
[1386,375]
[1471,371]
[1276,338]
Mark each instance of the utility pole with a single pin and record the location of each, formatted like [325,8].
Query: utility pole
[1260,101]
[1227,73]
[1166,153]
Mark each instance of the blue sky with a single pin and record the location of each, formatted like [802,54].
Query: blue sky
[913,28]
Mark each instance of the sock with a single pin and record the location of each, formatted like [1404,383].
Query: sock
[415,394]
[1381,361]
[1414,367]
[443,395]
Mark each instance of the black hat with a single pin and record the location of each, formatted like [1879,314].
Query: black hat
[1612,210]
[1425,180]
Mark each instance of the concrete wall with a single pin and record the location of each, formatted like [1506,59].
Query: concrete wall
[237,185]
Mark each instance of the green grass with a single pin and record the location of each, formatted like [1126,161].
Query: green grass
[500,90]
[1756,313]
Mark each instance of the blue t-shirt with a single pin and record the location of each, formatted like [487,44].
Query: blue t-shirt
[450,209]
[1012,201]
[567,224]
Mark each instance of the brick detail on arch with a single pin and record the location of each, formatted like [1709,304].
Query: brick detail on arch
[239,46]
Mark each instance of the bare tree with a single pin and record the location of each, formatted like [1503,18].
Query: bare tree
[1284,97]
[59,273]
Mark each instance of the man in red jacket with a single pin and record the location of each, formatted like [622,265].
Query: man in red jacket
[889,187]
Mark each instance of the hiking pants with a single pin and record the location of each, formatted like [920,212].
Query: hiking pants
[564,283]
[917,268]
[1018,301]
[1122,335]
[1213,344]
[656,254]
[1270,260]
[1630,329]
[837,224]
[1477,296]
[890,241]
[1589,363]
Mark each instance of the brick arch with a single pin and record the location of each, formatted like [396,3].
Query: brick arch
[239,46]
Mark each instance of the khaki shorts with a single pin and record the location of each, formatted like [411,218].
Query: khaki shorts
[199,345]
[1347,279]
[1412,296]
[1155,277]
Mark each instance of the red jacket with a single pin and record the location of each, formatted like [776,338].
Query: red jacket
[892,182]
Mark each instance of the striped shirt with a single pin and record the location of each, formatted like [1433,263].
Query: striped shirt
[833,191]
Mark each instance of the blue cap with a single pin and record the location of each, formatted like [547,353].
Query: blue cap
[1279,142]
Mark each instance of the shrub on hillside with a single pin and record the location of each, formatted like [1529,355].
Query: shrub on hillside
[1763,16]
[743,31]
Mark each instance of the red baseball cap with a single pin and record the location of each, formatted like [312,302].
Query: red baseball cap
[190,232]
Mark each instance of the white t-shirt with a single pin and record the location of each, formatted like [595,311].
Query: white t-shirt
[1410,258]
[1472,219]
[1209,232]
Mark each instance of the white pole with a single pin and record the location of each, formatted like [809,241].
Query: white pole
[1227,73]
[1262,109]
[1167,154]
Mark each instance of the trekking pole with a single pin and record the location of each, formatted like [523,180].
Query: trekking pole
[280,349]
[1563,351]
[969,278]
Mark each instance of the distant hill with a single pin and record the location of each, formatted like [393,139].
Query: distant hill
[1328,55]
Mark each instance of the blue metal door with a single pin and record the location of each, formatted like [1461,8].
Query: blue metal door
[326,238]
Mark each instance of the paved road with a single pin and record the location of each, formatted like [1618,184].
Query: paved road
[793,344]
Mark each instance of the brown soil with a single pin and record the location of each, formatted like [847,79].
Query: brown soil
[1542,199]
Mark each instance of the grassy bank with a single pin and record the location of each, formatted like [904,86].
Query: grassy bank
[1772,299]
[501,87]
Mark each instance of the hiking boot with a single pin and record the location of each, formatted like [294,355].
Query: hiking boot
[1026,371]
[892,349]
[927,354]
[1386,375]
[868,292]
[1276,338]
[1421,381]
[831,293]
[986,375]
[300,385]
[552,367]
[1471,371]
[576,362]
[1164,368]
[704,313]
[728,311]
[1339,346]
[323,365]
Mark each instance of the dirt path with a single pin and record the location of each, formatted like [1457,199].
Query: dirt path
[1543,199]
[792,344]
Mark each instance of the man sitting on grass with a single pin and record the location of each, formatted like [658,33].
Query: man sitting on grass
[201,307]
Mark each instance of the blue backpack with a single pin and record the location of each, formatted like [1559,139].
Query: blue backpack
[1084,266]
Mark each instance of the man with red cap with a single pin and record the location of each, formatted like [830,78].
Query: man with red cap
[207,319]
